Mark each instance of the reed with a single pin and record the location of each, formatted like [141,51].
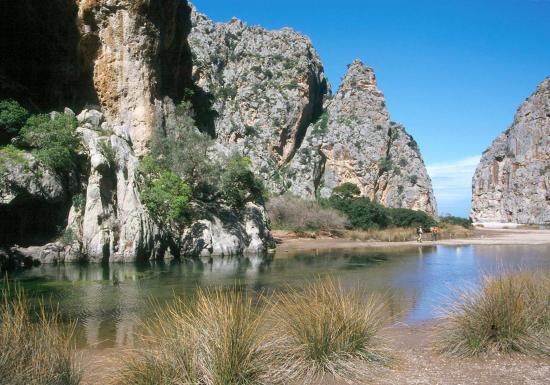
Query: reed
[35,346]
[508,313]
[217,340]
[326,331]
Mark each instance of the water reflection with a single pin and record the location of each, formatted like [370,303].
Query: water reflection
[109,300]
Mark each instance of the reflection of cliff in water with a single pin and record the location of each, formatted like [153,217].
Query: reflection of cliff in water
[109,300]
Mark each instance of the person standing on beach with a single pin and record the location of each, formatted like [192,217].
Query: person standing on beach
[419,233]
[435,231]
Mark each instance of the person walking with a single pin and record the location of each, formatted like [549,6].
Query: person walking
[419,233]
[435,232]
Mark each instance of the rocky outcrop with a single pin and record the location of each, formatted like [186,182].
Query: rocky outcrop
[266,87]
[106,221]
[512,181]
[33,200]
[113,225]
[139,54]
[269,92]
[355,141]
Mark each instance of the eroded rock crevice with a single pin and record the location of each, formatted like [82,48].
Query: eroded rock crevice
[42,64]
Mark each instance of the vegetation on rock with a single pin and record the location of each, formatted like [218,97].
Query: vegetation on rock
[12,117]
[165,195]
[184,168]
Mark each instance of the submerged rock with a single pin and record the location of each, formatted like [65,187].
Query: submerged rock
[512,181]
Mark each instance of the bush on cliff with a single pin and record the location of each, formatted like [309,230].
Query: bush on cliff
[12,117]
[53,140]
[188,154]
[165,195]
[238,184]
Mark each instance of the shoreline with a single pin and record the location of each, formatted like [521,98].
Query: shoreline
[289,242]
[413,362]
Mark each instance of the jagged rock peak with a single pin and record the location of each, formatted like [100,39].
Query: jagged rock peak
[359,75]
[355,141]
[512,181]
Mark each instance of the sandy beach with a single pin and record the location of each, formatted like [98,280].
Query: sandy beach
[288,242]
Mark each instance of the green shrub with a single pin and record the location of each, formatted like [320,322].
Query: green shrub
[10,155]
[185,151]
[401,217]
[107,150]
[165,195]
[362,213]
[12,117]
[452,220]
[238,184]
[346,191]
[385,165]
[365,214]
[54,140]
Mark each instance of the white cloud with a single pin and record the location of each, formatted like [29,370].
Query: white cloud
[452,184]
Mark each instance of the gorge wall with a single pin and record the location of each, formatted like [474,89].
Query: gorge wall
[123,66]
[272,102]
[512,181]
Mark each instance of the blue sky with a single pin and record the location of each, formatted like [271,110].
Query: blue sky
[453,71]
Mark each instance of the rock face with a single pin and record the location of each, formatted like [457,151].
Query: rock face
[32,199]
[139,55]
[132,59]
[266,88]
[270,91]
[261,93]
[512,181]
[355,141]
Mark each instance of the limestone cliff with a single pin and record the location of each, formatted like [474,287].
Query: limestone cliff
[127,64]
[272,103]
[266,88]
[355,141]
[512,181]
[129,58]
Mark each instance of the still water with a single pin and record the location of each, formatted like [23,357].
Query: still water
[109,300]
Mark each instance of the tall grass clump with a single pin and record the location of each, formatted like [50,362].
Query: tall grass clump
[35,347]
[326,331]
[217,340]
[291,213]
[508,313]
